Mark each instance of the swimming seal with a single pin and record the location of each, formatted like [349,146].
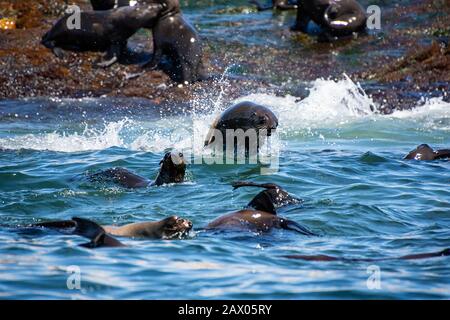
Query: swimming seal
[101,236]
[259,220]
[337,18]
[244,115]
[101,31]
[276,4]
[426,153]
[322,257]
[109,4]
[172,170]
[175,38]
[269,200]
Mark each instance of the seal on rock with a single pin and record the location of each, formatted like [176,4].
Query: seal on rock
[178,40]
[172,170]
[270,199]
[102,31]
[426,153]
[337,18]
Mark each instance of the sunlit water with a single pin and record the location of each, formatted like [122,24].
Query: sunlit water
[343,159]
[335,152]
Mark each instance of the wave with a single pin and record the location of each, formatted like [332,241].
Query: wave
[331,104]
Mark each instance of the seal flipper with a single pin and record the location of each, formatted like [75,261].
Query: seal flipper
[294,226]
[63,224]
[270,199]
[93,231]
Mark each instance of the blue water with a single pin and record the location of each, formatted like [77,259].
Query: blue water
[343,159]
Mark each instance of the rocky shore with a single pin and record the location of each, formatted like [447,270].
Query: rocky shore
[409,56]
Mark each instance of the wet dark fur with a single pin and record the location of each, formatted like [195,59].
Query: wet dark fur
[325,12]
[169,172]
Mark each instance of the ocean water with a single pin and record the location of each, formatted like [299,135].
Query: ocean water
[335,152]
[343,159]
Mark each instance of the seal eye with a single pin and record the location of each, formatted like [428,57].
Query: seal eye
[181,155]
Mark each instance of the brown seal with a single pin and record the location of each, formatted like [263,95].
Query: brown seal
[101,236]
[178,40]
[425,152]
[172,170]
[102,31]
[244,115]
[337,18]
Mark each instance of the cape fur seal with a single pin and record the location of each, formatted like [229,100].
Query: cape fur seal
[102,31]
[270,199]
[244,115]
[425,152]
[276,4]
[256,218]
[172,170]
[101,236]
[178,40]
[336,17]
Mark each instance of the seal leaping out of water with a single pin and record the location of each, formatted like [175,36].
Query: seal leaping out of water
[101,31]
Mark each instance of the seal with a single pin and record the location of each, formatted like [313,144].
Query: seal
[102,236]
[322,257]
[257,221]
[176,39]
[102,31]
[244,115]
[276,4]
[426,153]
[109,4]
[256,218]
[172,170]
[337,18]
[269,200]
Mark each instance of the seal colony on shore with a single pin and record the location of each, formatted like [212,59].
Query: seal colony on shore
[276,4]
